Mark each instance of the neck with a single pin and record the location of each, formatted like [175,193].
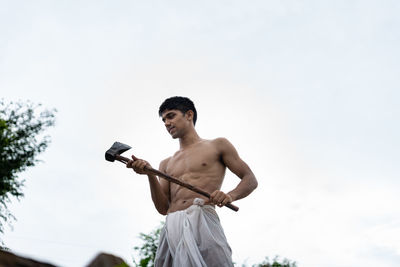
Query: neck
[189,139]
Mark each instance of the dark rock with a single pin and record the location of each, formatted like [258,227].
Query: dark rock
[8,259]
[106,260]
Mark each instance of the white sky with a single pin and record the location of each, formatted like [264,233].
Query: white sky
[307,91]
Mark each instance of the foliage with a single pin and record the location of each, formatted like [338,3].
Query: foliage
[276,263]
[147,251]
[21,125]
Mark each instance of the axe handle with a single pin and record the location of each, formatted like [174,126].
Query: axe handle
[176,181]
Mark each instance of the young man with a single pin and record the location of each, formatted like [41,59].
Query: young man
[192,235]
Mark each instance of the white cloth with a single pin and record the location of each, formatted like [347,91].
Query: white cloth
[193,237]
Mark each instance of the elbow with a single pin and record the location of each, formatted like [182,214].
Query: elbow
[162,211]
[255,183]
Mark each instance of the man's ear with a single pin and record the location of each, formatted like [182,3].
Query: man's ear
[189,115]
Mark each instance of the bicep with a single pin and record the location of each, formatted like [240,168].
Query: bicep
[231,159]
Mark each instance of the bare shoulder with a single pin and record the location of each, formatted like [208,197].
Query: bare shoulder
[220,141]
[164,164]
[222,144]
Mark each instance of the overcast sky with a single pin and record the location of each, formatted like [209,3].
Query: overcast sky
[307,91]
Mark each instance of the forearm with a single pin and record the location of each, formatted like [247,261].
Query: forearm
[247,184]
[160,200]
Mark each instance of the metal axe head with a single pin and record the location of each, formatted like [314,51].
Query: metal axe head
[116,149]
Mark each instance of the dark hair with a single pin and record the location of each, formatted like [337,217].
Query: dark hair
[180,103]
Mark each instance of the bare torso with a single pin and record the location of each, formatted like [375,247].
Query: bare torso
[199,165]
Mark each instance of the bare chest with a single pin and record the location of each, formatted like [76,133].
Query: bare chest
[199,160]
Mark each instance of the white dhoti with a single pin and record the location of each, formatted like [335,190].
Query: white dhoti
[193,237]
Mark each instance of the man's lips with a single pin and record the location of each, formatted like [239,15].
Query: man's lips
[171,129]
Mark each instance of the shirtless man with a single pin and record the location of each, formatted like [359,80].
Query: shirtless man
[201,163]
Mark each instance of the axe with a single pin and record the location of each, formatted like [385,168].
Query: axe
[118,148]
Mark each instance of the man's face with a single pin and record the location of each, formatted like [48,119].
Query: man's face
[174,121]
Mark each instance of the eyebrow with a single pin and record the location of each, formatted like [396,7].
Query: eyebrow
[166,115]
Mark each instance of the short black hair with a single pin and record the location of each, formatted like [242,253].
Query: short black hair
[180,103]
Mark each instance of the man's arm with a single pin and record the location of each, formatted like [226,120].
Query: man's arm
[159,188]
[231,159]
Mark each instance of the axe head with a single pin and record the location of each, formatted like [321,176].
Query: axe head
[116,149]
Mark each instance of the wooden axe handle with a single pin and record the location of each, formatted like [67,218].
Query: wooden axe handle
[176,181]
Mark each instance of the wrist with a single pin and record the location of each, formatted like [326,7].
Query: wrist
[231,197]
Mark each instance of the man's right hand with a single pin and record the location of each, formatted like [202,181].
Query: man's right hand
[138,165]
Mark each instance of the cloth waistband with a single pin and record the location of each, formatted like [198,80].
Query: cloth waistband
[198,201]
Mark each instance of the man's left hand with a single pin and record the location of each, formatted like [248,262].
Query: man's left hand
[219,198]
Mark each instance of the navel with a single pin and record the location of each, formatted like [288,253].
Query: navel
[204,164]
